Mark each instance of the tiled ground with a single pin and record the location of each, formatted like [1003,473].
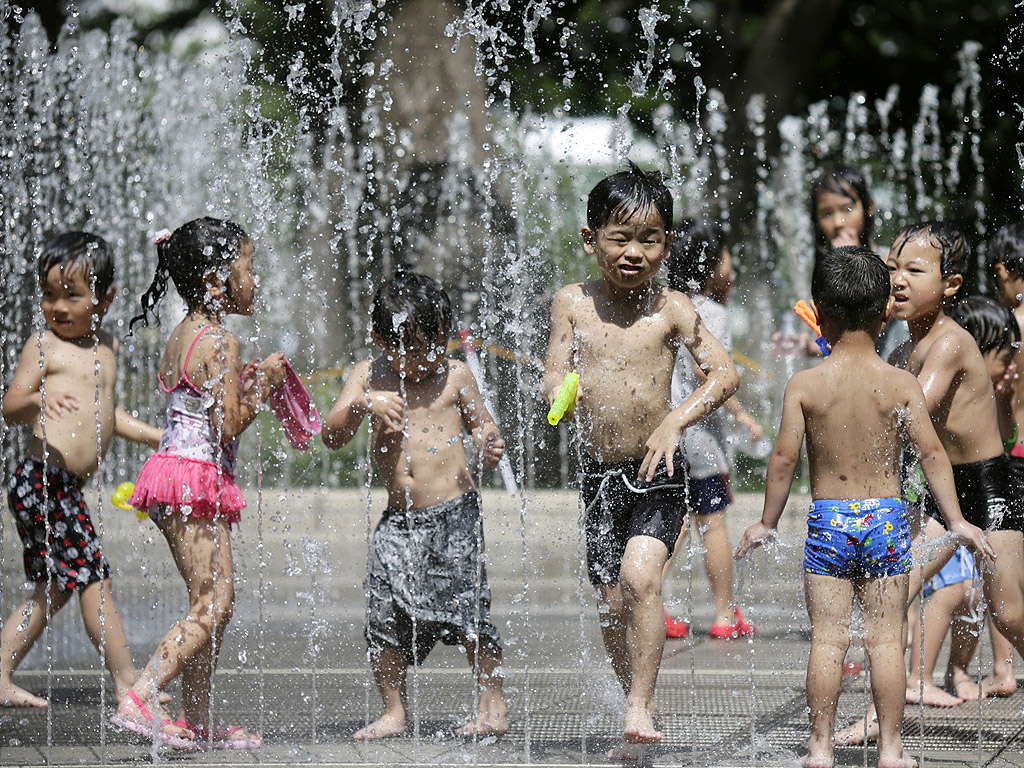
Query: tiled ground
[293,665]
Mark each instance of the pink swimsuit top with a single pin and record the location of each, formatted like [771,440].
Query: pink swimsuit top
[189,431]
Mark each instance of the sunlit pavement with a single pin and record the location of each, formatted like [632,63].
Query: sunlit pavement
[293,665]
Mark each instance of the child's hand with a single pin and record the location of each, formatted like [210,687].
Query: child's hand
[974,538]
[1005,384]
[748,421]
[754,536]
[58,404]
[388,407]
[845,237]
[494,449]
[270,373]
[661,444]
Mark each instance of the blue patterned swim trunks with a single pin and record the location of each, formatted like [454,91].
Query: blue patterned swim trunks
[851,539]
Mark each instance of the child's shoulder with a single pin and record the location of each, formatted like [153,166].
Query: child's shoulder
[952,343]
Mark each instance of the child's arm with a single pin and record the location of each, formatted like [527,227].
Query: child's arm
[939,473]
[356,401]
[721,381]
[235,407]
[130,428]
[938,373]
[477,420]
[24,398]
[781,470]
[558,361]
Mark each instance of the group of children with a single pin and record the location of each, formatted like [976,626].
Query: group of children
[624,334]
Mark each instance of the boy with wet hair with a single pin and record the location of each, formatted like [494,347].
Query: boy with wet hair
[927,263]
[420,403]
[64,387]
[620,333]
[855,411]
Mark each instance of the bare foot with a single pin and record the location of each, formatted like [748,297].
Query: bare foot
[933,696]
[817,761]
[385,726]
[999,686]
[903,761]
[640,726]
[491,720]
[857,733]
[964,686]
[625,753]
[13,696]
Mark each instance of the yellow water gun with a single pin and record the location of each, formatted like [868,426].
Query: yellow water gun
[120,499]
[565,401]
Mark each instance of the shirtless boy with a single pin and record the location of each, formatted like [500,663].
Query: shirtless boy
[926,264]
[621,334]
[856,411]
[420,403]
[64,387]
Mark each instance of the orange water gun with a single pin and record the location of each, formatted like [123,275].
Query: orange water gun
[804,312]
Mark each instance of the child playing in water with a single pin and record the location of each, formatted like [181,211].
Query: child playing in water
[855,411]
[64,387]
[621,333]
[188,485]
[701,266]
[842,212]
[926,264]
[420,403]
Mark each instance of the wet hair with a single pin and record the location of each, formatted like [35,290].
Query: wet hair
[848,182]
[945,238]
[83,250]
[850,286]
[411,308]
[628,193]
[186,257]
[1007,248]
[991,324]
[696,253]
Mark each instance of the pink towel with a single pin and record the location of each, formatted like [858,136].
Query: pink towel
[293,407]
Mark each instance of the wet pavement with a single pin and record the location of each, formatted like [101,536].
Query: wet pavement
[293,664]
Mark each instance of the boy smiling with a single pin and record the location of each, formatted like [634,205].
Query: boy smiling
[621,334]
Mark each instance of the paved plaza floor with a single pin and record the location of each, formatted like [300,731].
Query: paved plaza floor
[293,664]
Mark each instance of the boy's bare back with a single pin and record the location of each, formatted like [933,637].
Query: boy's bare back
[80,401]
[855,410]
[430,466]
[957,388]
[624,356]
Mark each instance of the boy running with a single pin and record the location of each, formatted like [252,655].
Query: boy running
[621,334]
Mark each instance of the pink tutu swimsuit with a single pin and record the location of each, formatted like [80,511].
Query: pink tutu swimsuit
[191,473]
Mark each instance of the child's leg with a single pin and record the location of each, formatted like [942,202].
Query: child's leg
[829,604]
[610,611]
[107,633]
[1004,589]
[939,610]
[193,544]
[928,558]
[885,633]
[197,670]
[718,562]
[640,579]
[492,717]
[19,634]
[389,671]
[1002,681]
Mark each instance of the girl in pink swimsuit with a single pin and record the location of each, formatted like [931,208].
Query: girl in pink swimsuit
[188,485]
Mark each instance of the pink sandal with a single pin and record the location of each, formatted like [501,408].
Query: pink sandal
[227,737]
[145,727]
